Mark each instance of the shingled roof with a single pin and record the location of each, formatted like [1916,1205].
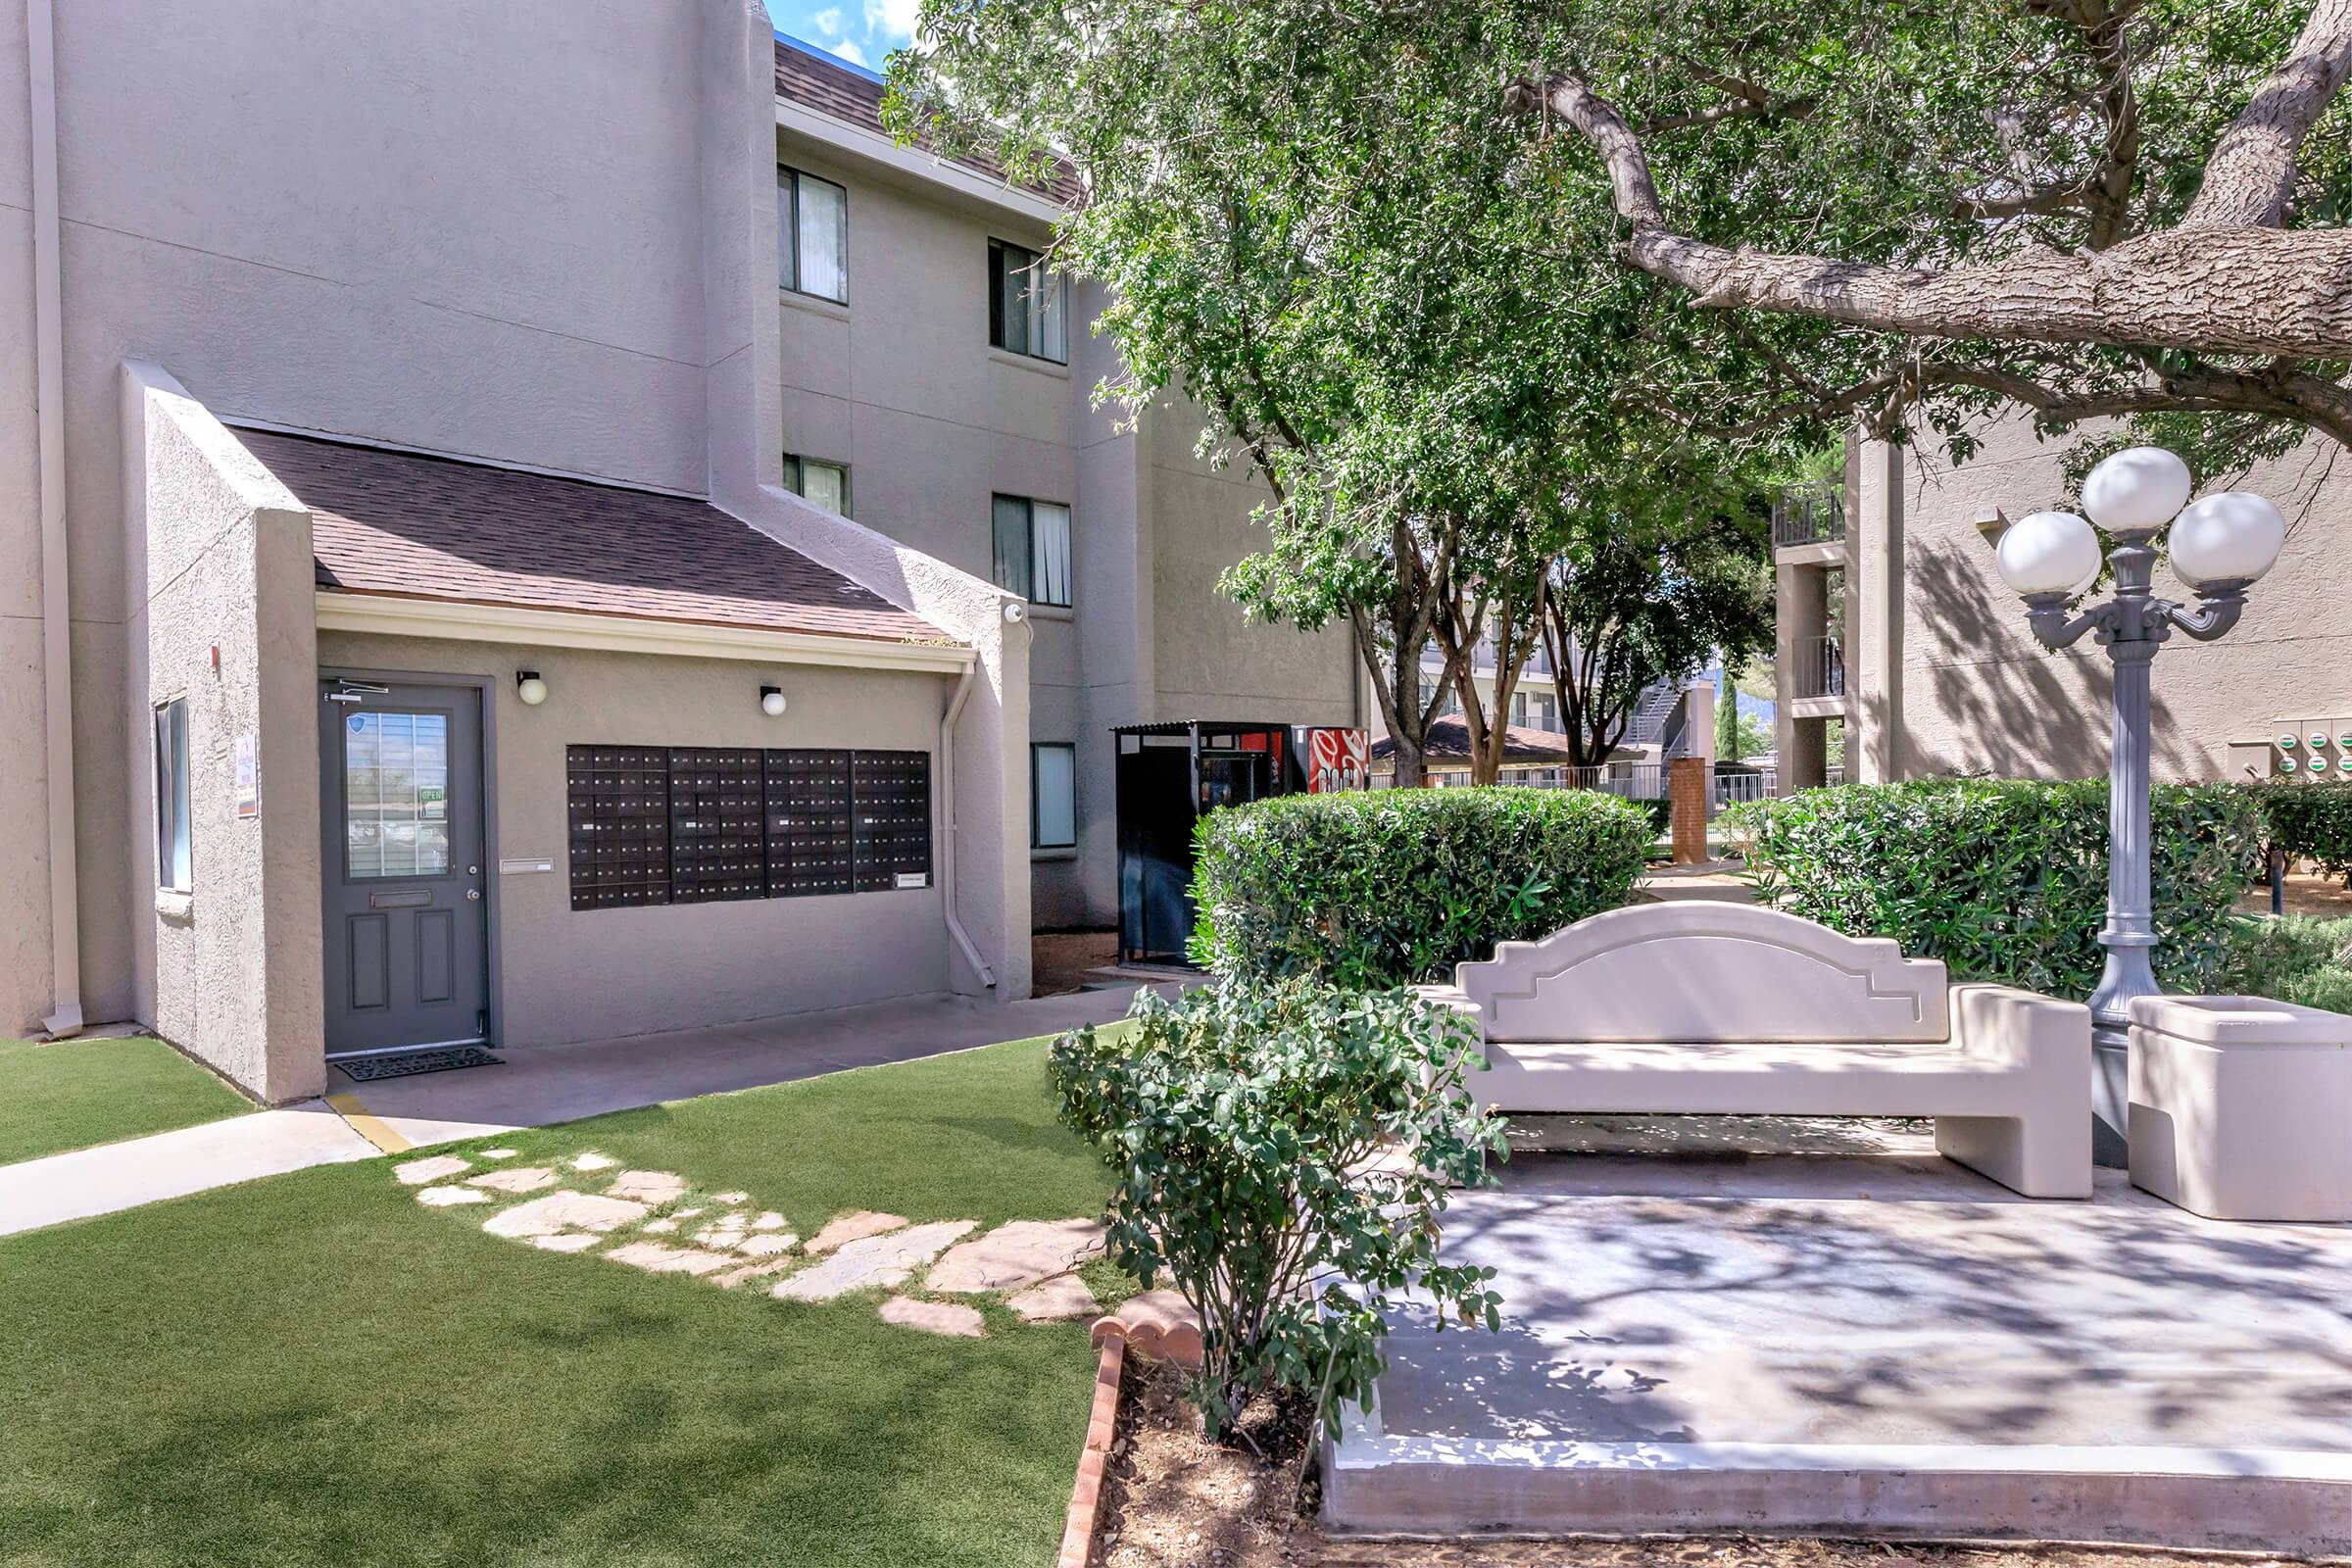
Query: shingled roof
[840,91]
[1448,742]
[401,524]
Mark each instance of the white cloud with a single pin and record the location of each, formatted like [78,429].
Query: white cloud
[892,19]
[848,50]
[827,22]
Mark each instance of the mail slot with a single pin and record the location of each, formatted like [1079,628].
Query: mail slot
[401,898]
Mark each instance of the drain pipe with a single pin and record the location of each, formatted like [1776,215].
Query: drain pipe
[947,815]
[57,627]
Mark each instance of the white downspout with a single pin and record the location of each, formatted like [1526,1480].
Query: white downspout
[947,818]
[57,627]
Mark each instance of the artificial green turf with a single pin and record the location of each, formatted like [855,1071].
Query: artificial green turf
[77,1093]
[317,1369]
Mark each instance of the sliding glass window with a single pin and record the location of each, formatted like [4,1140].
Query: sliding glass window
[812,235]
[1028,305]
[1033,549]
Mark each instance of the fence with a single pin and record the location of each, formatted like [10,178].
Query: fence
[1808,514]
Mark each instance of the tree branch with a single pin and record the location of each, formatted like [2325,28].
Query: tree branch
[2252,170]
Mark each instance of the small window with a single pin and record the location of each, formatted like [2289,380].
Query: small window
[812,235]
[825,483]
[1028,305]
[1052,795]
[1033,549]
[175,858]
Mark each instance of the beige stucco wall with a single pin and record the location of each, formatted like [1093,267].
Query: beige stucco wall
[228,970]
[1978,694]
[599,974]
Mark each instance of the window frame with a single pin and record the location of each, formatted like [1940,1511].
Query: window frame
[997,336]
[173,819]
[1028,586]
[796,477]
[1036,814]
[788,194]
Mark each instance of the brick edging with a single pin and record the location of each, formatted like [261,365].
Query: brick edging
[1086,1494]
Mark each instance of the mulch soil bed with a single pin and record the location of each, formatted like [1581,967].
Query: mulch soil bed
[1174,1500]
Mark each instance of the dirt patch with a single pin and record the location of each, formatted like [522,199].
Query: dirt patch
[1060,960]
[1173,1500]
[2306,893]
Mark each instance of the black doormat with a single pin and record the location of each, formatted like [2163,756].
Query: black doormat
[408,1063]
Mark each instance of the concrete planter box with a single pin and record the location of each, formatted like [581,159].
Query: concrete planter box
[2242,1107]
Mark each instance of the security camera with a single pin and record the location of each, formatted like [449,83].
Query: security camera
[1016,614]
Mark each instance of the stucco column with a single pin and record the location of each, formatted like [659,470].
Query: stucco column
[1874,585]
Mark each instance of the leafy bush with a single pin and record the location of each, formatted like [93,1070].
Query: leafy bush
[2309,821]
[2292,958]
[2003,880]
[1244,1122]
[1395,887]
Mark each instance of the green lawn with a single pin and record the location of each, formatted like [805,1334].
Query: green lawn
[318,1369]
[77,1093]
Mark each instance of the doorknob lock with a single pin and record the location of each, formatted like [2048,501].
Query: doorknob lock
[474,895]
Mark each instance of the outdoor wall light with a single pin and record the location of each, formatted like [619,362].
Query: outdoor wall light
[529,687]
[2048,553]
[771,700]
[2230,535]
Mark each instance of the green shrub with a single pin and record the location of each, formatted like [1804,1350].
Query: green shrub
[1395,887]
[2292,958]
[1244,1122]
[2308,821]
[2003,880]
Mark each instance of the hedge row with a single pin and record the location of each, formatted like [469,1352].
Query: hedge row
[2308,821]
[1395,887]
[2005,880]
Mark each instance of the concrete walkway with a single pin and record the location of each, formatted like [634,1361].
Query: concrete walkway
[534,1088]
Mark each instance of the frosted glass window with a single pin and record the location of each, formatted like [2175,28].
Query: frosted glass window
[812,235]
[1052,795]
[396,795]
[825,483]
[174,857]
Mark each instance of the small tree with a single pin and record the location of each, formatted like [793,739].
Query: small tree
[1282,1155]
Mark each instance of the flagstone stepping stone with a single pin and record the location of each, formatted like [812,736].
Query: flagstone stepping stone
[449,1197]
[934,1317]
[871,1261]
[417,1172]
[654,1186]
[730,1198]
[758,1270]
[770,1220]
[518,1179]
[661,1227]
[558,1212]
[767,1244]
[593,1162]
[1057,1300]
[498,1153]
[655,1258]
[1021,1252]
[568,1242]
[853,1227]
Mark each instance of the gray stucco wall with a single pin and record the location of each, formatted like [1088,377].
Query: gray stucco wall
[1978,694]
[593,974]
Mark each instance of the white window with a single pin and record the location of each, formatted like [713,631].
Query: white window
[1052,795]
[825,483]
[174,857]
[1033,549]
[812,235]
[1028,305]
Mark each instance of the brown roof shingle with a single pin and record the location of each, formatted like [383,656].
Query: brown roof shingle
[818,81]
[1449,740]
[398,523]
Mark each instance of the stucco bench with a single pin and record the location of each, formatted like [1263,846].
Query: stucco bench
[1706,1008]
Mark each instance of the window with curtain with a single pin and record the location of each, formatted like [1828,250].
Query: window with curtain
[1052,795]
[825,483]
[1033,549]
[812,235]
[1028,305]
[175,856]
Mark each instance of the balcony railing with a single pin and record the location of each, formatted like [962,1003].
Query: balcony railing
[1808,514]
[1819,668]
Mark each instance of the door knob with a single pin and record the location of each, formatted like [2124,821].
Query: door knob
[474,895]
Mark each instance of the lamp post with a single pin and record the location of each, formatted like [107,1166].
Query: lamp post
[2220,544]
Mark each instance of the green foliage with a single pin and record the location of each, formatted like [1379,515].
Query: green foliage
[2003,879]
[1282,1155]
[1395,887]
[2307,821]
[2291,958]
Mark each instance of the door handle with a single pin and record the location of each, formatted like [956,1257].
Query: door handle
[474,895]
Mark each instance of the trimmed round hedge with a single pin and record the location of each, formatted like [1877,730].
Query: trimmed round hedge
[2004,879]
[2306,819]
[1395,887]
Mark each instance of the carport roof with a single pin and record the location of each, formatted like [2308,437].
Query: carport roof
[426,527]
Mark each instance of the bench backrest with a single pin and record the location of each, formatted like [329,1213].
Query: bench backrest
[1698,969]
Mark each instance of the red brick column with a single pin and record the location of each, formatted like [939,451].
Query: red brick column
[1687,802]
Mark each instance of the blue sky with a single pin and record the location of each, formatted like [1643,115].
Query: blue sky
[860,31]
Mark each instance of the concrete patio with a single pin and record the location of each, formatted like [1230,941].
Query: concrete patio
[1863,1337]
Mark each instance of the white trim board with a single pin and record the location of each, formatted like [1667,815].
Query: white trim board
[465,621]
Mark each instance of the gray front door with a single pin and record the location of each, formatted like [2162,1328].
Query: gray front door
[407,949]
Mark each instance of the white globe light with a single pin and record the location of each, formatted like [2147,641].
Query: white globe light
[2048,553]
[771,702]
[2136,489]
[532,689]
[2227,535]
